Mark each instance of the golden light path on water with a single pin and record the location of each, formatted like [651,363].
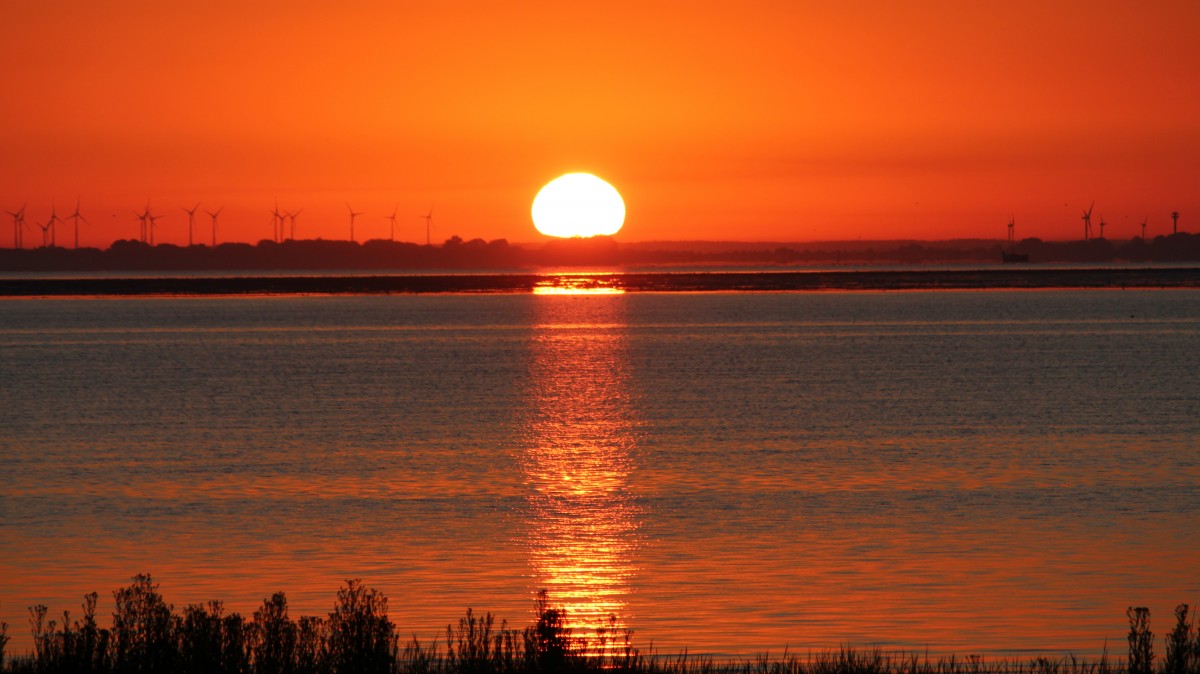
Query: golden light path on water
[557,290]
[578,284]
[582,532]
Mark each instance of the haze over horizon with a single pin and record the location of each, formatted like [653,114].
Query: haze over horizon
[762,122]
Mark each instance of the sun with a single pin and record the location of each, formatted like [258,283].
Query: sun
[578,205]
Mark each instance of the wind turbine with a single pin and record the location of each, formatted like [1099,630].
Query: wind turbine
[1174,222]
[18,227]
[1087,222]
[144,218]
[53,220]
[45,232]
[1012,225]
[392,217]
[428,223]
[153,219]
[1144,227]
[1102,224]
[277,223]
[77,217]
[213,215]
[352,216]
[191,221]
[292,218]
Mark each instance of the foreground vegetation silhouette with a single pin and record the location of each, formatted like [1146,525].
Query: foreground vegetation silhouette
[147,636]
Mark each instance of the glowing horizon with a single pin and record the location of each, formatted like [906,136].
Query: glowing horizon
[759,123]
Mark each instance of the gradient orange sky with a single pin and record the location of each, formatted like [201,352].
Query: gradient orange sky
[751,120]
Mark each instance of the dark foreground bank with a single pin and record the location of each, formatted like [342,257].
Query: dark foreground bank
[147,635]
[752,281]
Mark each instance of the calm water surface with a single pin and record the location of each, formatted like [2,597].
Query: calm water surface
[968,472]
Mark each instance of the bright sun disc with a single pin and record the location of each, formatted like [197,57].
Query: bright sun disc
[578,204]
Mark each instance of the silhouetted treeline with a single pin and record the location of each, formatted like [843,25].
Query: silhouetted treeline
[1181,247]
[148,636]
[129,255]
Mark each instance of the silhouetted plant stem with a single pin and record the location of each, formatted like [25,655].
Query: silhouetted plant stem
[1183,645]
[1141,641]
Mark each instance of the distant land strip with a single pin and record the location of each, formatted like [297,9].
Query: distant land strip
[299,256]
[740,281]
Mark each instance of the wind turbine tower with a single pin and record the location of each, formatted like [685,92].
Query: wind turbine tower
[392,217]
[291,216]
[1174,222]
[1102,224]
[77,217]
[214,215]
[144,218]
[1144,227]
[1087,222]
[54,219]
[153,220]
[1012,225]
[191,221]
[352,216]
[18,227]
[277,224]
[428,224]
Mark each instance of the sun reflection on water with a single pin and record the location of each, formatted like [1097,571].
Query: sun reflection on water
[559,290]
[582,533]
[578,284]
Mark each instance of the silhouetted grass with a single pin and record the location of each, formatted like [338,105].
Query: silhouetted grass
[147,636]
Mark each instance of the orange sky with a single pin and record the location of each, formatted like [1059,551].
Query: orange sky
[752,120]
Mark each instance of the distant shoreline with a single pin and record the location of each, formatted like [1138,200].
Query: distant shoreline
[665,281]
[299,256]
